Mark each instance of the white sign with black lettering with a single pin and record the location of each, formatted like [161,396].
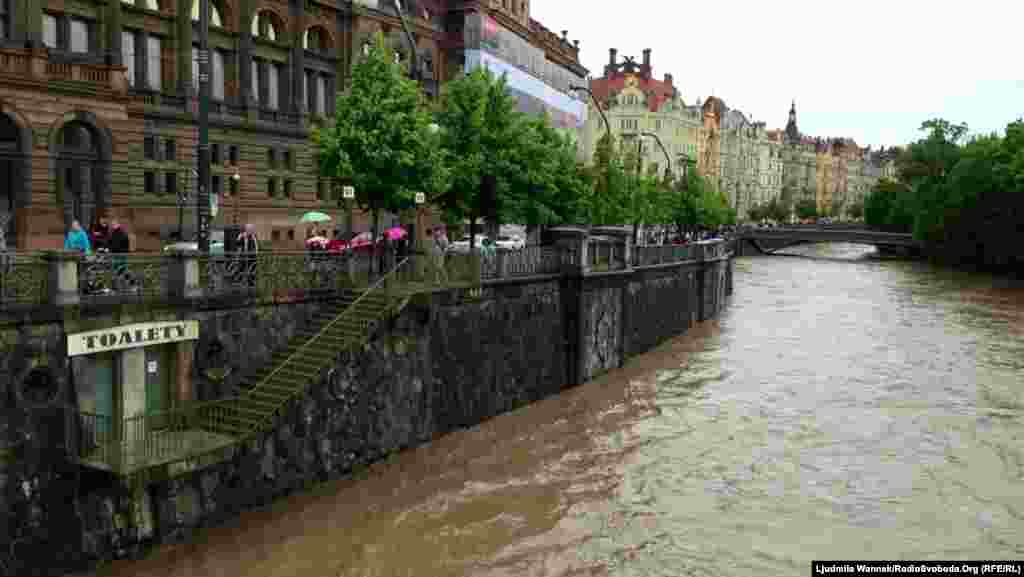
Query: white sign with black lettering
[131,336]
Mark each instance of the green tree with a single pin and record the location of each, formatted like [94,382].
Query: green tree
[550,187]
[381,140]
[607,194]
[487,145]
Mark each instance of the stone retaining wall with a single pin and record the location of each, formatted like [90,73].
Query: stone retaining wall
[451,360]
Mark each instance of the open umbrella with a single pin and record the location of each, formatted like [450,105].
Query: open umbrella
[395,233]
[362,239]
[314,216]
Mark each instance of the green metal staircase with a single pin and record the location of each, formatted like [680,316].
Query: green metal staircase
[165,444]
[345,324]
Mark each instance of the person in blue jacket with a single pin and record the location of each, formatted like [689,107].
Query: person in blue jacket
[77,240]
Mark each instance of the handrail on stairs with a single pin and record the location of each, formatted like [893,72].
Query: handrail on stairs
[385,278]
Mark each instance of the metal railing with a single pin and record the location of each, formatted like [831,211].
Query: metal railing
[138,275]
[151,438]
[651,255]
[24,279]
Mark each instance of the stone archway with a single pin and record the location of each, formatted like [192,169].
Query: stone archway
[15,144]
[80,149]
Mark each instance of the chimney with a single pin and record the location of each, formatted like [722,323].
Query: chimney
[647,58]
[668,79]
[565,36]
[613,56]
[576,45]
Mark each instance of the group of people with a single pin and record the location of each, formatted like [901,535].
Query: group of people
[104,236]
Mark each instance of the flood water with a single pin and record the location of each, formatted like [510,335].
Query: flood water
[841,408]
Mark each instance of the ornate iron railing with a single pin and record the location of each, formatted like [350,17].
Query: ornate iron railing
[152,438]
[24,279]
[137,275]
[284,276]
[606,254]
[650,255]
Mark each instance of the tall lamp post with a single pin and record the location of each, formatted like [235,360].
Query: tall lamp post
[203,153]
[348,194]
[414,60]
[235,178]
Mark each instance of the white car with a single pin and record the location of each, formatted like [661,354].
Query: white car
[461,246]
[511,243]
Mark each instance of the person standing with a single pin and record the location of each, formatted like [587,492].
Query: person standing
[77,240]
[100,234]
[119,245]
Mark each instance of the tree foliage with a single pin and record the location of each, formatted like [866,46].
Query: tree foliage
[381,141]
[963,195]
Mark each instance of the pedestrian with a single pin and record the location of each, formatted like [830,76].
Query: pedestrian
[119,245]
[100,233]
[438,248]
[77,240]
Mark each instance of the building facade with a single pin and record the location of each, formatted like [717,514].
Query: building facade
[98,105]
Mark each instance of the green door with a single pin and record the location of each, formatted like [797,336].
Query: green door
[158,382]
[103,377]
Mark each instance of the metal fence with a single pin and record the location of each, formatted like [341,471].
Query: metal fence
[24,279]
[137,275]
[282,276]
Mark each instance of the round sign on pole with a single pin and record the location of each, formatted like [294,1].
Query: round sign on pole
[348,192]
[420,198]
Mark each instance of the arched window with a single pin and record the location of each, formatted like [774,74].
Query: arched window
[265,25]
[149,5]
[315,39]
[215,18]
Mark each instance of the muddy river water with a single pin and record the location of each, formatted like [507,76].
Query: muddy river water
[841,408]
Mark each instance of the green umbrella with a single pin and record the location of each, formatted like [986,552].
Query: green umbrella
[315,216]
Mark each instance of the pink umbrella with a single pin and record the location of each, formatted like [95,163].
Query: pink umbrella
[395,233]
[362,239]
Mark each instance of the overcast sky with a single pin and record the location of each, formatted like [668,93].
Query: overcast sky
[873,75]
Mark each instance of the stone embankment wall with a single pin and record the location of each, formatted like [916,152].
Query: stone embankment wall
[452,359]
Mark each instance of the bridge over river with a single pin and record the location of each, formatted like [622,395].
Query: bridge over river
[751,241]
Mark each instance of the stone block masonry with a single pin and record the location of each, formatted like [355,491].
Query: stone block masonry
[451,359]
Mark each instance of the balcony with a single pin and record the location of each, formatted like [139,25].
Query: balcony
[35,66]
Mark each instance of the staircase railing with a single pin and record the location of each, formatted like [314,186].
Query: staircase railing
[386,281]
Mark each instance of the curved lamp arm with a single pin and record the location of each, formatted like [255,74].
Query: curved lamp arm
[414,58]
[668,159]
[607,126]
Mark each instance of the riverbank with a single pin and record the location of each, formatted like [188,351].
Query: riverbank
[837,409]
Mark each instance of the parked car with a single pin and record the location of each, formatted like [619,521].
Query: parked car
[510,243]
[461,246]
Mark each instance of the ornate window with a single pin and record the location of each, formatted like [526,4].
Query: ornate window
[265,25]
[215,16]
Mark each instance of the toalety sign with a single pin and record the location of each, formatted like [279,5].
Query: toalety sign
[131,336]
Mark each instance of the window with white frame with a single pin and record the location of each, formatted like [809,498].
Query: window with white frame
[128,54]
[216,72]
[78,32]
[273,80]
[153,71]
[50,31]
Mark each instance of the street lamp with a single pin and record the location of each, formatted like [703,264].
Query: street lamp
[607,126]
[235,178]
[348,194]
[668,160]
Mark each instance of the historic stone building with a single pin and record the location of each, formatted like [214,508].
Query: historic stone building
[98,109]
[636,102]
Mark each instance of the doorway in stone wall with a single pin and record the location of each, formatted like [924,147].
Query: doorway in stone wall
[12,178]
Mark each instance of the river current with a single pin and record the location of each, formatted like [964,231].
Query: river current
[841,408]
